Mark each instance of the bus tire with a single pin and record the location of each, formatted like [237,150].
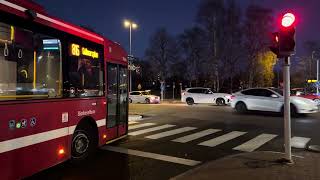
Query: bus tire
[84,143]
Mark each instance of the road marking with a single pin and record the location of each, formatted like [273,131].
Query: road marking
[133,122]
[255,143]
[140,126]
[144,131]
[195,136]
[170,133]
[299,142]
[160,157]
[222,139]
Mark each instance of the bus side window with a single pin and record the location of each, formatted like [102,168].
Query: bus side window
[30,66]
[85,76]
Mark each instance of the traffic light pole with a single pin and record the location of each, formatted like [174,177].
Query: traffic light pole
[287,114]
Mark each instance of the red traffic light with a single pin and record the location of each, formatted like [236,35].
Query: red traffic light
[288,20]
[277,38]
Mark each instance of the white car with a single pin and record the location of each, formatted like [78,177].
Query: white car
[270,99]
[204,95]
[143,97]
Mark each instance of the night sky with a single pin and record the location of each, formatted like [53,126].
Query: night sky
[106,17]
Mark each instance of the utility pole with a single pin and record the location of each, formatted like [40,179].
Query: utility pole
[131,26]
[317,77]
[287,113]
[173,87]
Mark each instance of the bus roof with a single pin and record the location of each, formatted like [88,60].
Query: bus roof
[18,7]
[113,51]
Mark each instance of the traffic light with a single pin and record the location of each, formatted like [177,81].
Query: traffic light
[275,43]
[287,35]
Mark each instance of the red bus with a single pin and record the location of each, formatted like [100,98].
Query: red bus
[63,90]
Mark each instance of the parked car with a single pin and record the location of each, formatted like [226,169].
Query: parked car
[300,92]
[143,97]
[204,95]
[267,99]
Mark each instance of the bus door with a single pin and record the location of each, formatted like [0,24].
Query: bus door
[117,100]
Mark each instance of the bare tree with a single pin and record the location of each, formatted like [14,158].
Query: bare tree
[210,17]
[193,48]
[232,49]
[162,52]
[256,30]
[313,52]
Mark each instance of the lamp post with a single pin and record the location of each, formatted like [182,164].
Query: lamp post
[317,84]
[131,26]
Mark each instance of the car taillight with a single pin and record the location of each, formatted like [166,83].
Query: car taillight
[183,93]
[232,97]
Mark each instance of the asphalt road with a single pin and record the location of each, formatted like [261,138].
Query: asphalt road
[173,138]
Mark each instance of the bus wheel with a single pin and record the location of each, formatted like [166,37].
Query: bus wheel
[83,143]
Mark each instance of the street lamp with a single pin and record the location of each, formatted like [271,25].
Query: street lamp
[131,26]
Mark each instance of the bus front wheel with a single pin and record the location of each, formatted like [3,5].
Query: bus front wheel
[83,143]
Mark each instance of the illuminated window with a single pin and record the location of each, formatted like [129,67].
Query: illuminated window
[85,71]
[30,64]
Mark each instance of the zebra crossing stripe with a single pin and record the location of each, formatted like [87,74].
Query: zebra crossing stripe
[255,143]
[222,139]
[299,142]
[140,126]
[132,122]
[170,133]
[195,136]
[144,131]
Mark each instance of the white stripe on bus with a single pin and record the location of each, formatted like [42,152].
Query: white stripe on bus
[33,139]
[170,133]
[144,131]
[255,143]
[197,135]
[222,139]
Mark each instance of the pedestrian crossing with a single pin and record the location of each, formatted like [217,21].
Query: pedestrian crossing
[136,133]
[189,134]
[140,126]
[255,143]
[195,136]
[170,133]
[222,139]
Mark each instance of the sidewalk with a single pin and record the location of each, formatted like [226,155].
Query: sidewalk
[172,101]
[258,166]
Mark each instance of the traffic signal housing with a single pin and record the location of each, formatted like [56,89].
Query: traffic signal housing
[287,35]
[275,43]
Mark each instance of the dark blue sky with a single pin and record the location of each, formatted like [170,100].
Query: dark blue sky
[106,16]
